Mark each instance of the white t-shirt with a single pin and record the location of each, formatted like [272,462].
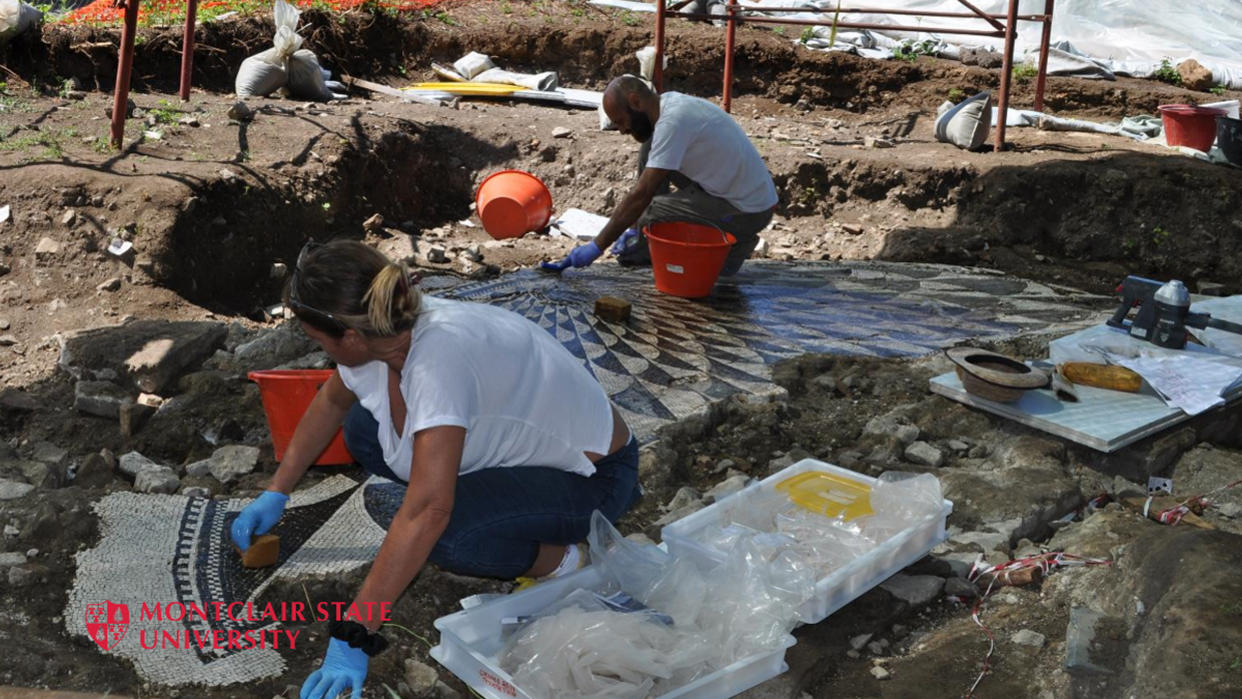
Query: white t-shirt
[702,142]
[522,397]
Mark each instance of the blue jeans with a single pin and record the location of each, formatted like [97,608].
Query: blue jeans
[502,515]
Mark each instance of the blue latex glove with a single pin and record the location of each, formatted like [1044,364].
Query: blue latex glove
[627,239]
[343,667]
[258,517]
[581,256]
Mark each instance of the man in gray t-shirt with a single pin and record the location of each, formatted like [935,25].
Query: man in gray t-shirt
[721,179]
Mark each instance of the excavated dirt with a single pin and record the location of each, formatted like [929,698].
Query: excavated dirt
[211,210]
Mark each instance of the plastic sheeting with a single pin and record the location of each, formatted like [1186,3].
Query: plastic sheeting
[1126,37]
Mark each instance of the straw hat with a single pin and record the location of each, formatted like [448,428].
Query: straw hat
[994,376]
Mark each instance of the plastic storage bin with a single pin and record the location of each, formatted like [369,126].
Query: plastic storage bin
[843,585]
[471,642]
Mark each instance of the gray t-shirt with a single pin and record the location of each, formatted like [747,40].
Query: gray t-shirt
[702,142]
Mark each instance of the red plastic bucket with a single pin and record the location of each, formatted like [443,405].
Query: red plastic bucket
[511,203]
[1190,126]
[686,258]
[286,394]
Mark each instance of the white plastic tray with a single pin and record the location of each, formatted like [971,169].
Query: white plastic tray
[843,585]
[471,642]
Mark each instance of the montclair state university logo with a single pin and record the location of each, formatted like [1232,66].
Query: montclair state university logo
[107,623]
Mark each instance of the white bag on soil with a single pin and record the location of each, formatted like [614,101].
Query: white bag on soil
[965,125]
[16,17]
[307,80]
[265,72]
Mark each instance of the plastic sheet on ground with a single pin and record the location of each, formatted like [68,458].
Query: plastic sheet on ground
[1121,37]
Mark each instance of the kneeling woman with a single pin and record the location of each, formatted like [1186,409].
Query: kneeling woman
[506,441]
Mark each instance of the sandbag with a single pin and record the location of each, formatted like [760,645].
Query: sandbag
[967,124]
[17,17]
[266,71]
[307,79]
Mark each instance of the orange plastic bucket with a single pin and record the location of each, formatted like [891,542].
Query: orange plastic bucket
[286,394]
[1190,126]
[686,258]
[511,203]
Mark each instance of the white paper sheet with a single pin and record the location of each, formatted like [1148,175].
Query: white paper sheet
[579,224]
[1186,382]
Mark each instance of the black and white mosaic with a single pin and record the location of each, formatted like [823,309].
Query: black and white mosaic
[676,356]
[671,359]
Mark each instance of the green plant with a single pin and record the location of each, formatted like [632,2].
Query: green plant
[910,50]
[506,8]
[956,95]
[166,113]
[629,18]
[1217,89]
[808,33]
[779,31]
[1023,72]
[1159,236]
[1166,73]
[101,145]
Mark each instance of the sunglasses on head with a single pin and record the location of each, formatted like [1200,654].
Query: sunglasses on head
[294,302]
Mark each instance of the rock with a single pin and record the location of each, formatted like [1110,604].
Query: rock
[231,462]
[196,491]
[190,121]
[26,574]
[1211,288]
[915,590]
[160,479]
[1079,635]
[95,471]
[5,324]
[1195,76]
[907,434]
[874,142]
[111,284]
[1027,637]
[47,249]
[69,218]
[374,223]
[780,463]
[132,463]
[880,673]
[726,488]
[957,445]
[14,558]
[561,132]
[877,647]
[99,398]
[11,490]
[960,587]
[42,474]
[924,453]
[437,255]
[151,353]
[679,513]
[240,111]
[982,57]
[133,416]
[685,496]
[421,678]
[199,469]
[860,641]
[274,347]
[130,108]
[827,382]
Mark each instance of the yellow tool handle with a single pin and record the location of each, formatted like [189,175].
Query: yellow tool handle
[1116,378]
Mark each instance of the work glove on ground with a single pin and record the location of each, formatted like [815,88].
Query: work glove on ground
[628,238]
[581,256]
[258,517]
[343,667]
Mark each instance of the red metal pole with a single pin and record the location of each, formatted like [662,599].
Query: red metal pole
[121,95]
[187,48]
[1002,107]
[1042,78]
[657,75]
[730,30]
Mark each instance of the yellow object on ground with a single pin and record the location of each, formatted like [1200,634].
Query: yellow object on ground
[828,494]
[483,89]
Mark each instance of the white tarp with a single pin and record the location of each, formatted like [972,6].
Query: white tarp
[1125,37]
